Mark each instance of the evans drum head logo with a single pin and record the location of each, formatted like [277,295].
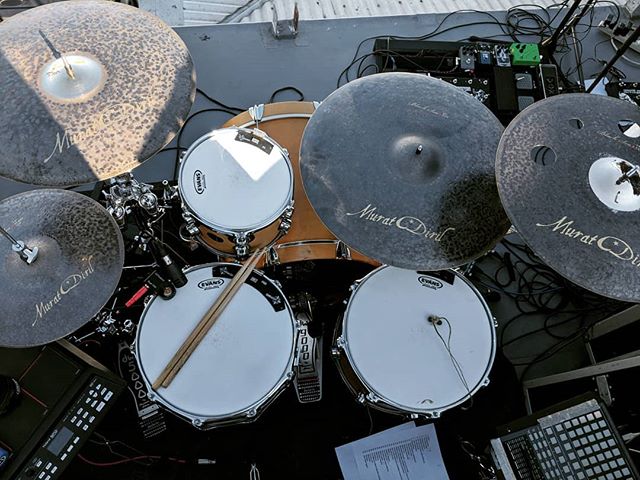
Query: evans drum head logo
[430,282]
[210,283]
[199,182]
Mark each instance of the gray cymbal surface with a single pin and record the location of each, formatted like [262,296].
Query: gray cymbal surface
[128,88]
[561,169]
[79,262]
[401,167]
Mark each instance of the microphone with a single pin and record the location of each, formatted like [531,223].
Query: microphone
[167,265]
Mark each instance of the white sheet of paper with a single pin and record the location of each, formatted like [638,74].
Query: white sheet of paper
[406,454]
[346,456]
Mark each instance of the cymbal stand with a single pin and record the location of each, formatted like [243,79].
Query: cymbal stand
[619,53]
[27,254]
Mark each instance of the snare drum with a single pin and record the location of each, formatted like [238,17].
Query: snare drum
[308,238]
[236,186]
[415,343]
[243,362]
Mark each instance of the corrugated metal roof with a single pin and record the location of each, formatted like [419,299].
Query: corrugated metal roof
[262,10]
[198,12]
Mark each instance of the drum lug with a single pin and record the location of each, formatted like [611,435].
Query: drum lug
[242,245]
[272,257]
[197,422]
[495,322]
[152,396]
[290,375]
[285,220]
[335,352]
[252,413]
[486,382]
[373,398]
[361,398]
[354,285]
[340,343]
[342,251]
[190,225]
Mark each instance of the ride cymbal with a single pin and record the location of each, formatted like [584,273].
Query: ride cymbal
[88,90]
[566,177]
[400,166]
[78,266]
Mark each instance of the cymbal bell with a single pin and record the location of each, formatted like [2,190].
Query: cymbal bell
[89,90]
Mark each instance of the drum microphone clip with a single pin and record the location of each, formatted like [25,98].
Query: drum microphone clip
[167,265]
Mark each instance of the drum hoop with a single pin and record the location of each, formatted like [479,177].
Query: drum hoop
[238,414]
[219,228]
[403,408]
[277,116]
[292,108]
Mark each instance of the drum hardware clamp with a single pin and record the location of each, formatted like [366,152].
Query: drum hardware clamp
[27,254]
[257,113]
[343,252]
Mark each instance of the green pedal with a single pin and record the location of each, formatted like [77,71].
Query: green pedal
[525,54]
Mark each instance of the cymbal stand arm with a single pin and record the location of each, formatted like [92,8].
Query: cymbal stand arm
[27,254]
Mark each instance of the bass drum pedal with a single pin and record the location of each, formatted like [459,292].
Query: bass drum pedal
[308,379]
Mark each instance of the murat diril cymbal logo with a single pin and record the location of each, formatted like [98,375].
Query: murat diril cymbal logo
[612,245]
[407,223]
[68,284]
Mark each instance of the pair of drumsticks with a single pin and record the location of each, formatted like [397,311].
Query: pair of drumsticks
[204,325]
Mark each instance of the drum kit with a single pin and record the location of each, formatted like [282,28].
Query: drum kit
[400,172]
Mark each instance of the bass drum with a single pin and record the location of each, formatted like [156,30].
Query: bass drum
[308,238]
[415,343]
[243,363]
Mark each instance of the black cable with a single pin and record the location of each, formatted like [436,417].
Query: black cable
[186,122]
[217,102]
[284,89]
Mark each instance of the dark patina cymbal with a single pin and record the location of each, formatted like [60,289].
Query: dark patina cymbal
[400,167]
[129,87]
[79,262]
[565,172]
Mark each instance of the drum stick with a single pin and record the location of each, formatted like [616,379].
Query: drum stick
[204,325]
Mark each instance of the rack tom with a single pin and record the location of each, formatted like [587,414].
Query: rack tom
[236,186]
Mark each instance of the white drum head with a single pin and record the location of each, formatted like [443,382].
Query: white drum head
[236,180]
[244,357]
[395,350]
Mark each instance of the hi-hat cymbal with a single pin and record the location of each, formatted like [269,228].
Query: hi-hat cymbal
[128,87]
[400,167]
[564,170]
[79,262]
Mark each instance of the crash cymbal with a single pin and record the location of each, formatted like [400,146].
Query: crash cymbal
[400,167]
[78,266]
[132,87]
[560,168]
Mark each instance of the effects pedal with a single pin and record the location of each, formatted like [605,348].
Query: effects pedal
[467,56]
